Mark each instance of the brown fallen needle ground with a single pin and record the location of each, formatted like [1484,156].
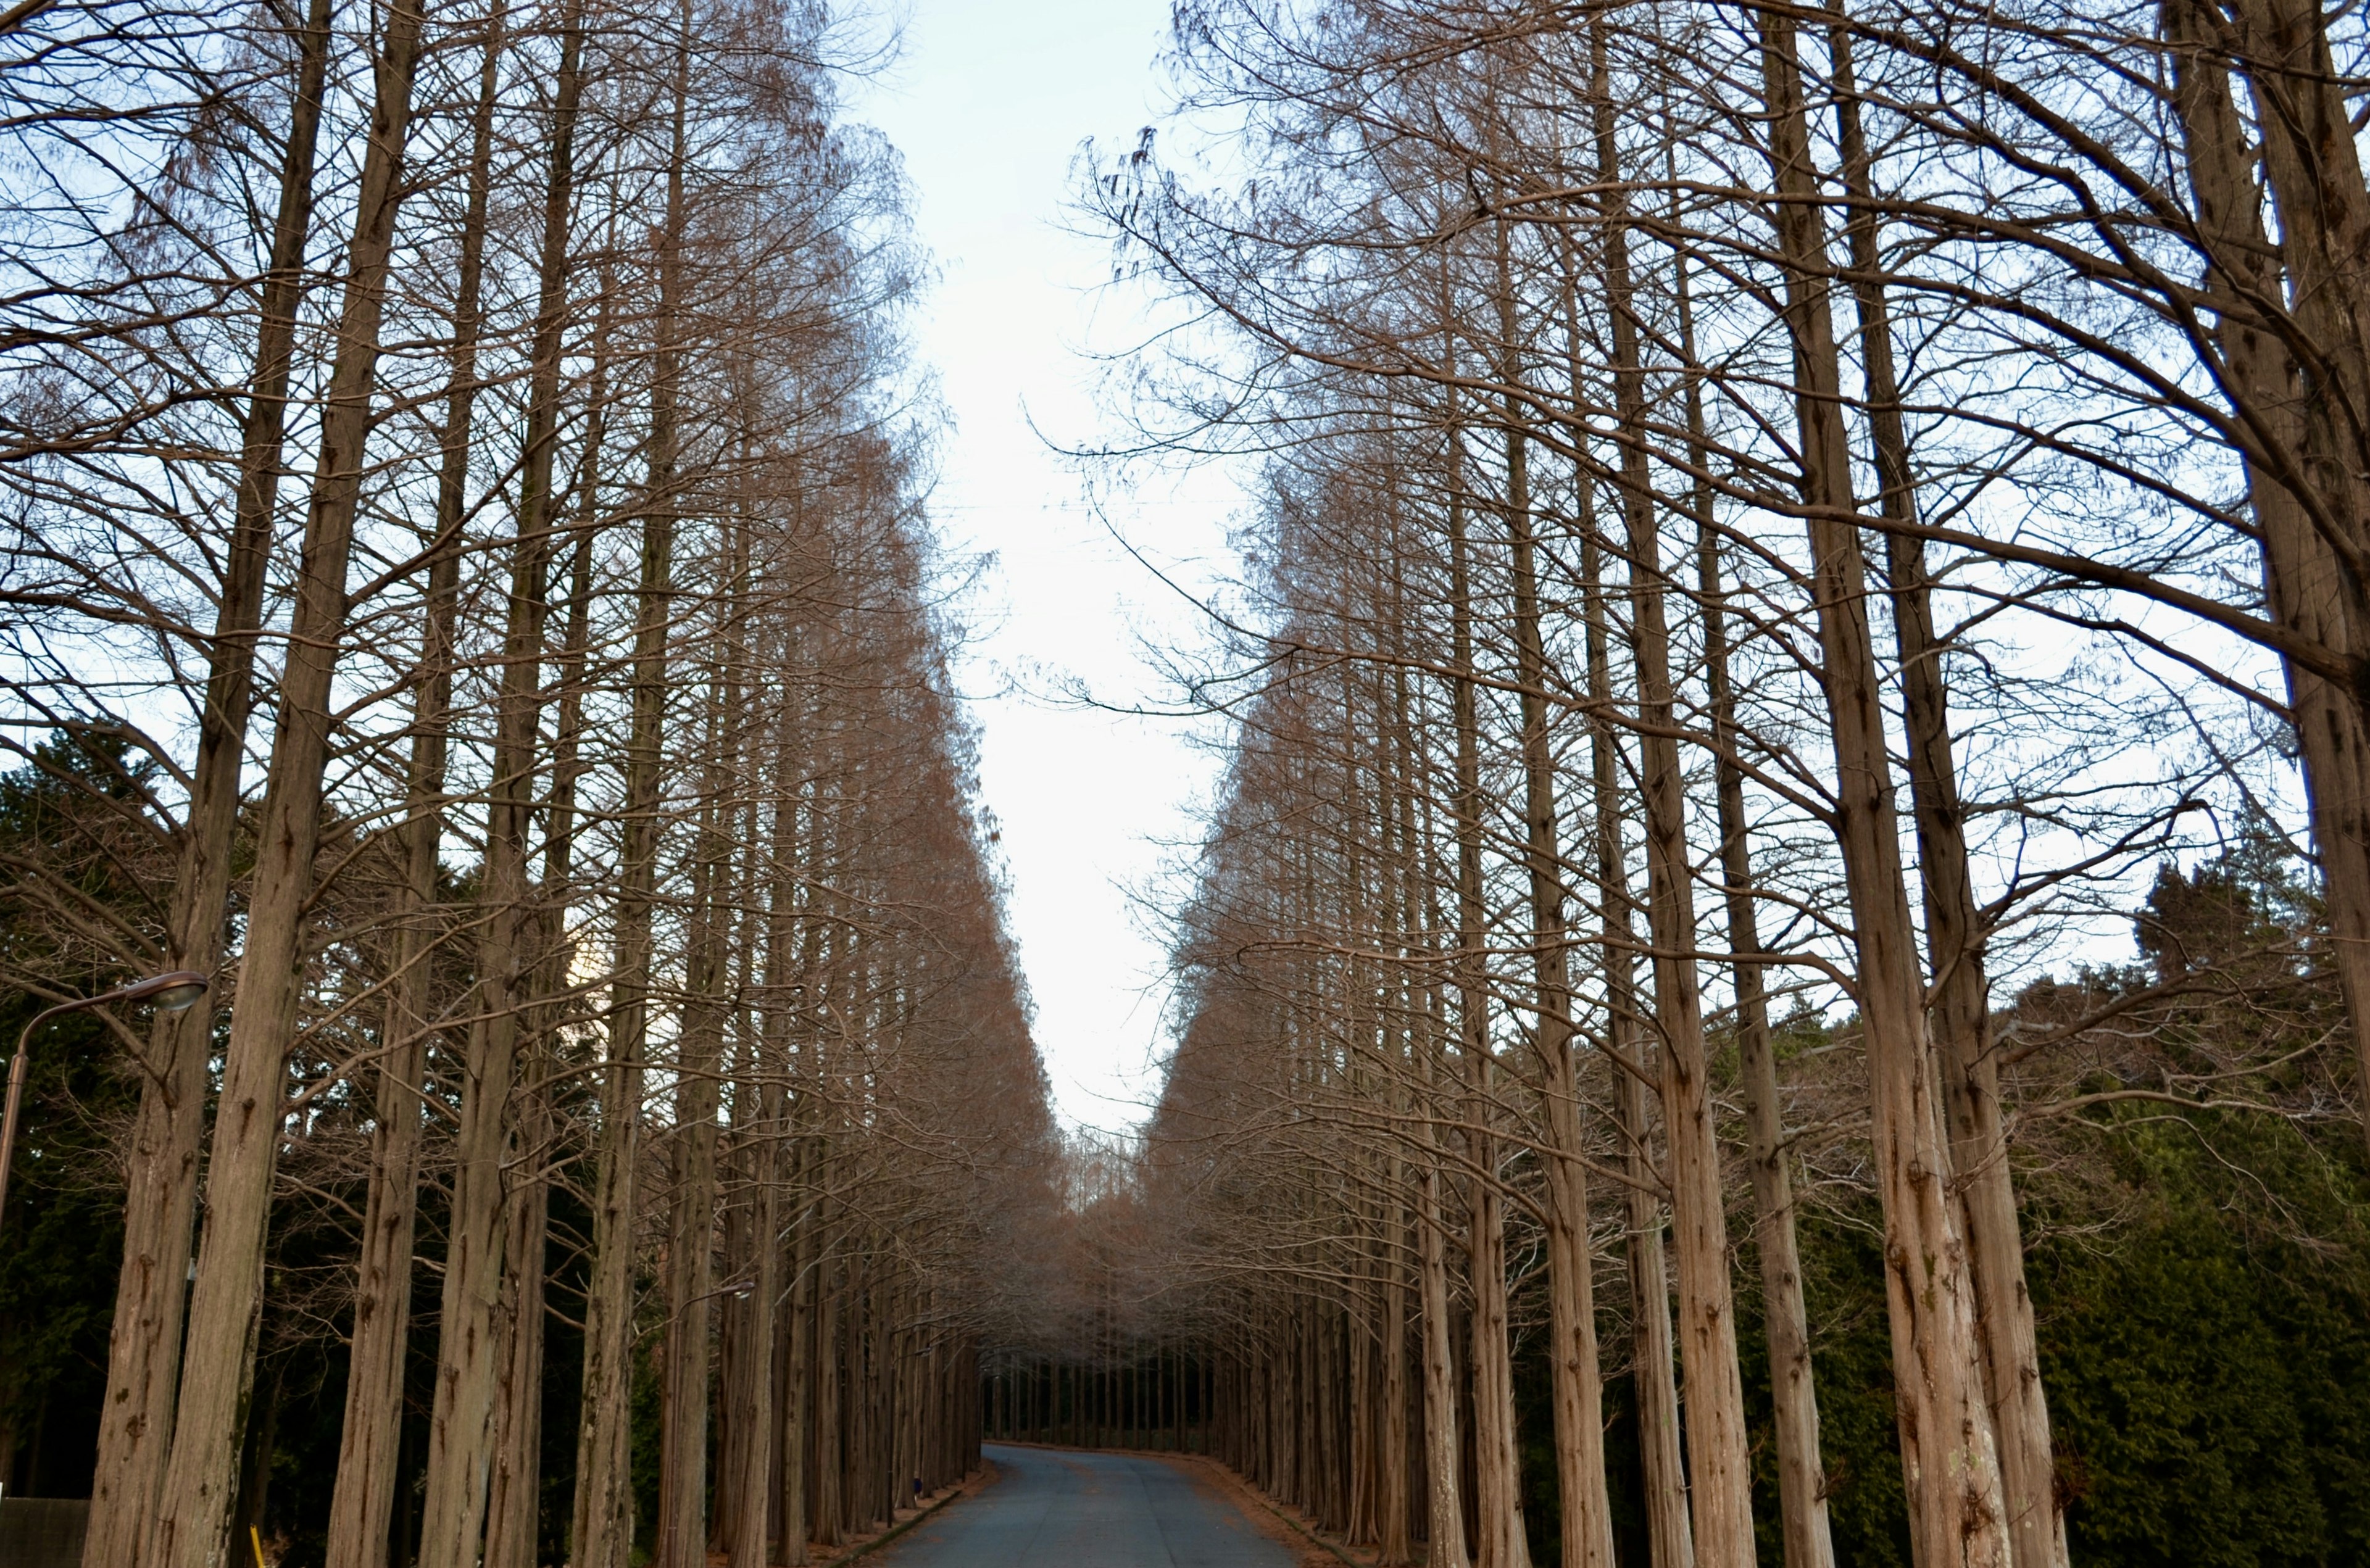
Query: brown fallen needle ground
[978,1480]
[1309,1549]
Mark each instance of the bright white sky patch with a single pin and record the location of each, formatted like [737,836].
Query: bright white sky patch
[989,103]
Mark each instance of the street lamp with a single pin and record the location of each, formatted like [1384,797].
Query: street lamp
[175,991]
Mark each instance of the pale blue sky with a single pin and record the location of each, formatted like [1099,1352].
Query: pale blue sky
[989,101]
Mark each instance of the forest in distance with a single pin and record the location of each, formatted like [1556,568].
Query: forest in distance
[1778,973]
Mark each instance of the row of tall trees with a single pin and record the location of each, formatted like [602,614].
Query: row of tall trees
[466,593]
[1080,1354]
[1776,517]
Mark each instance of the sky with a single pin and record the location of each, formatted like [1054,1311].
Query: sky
[989,101]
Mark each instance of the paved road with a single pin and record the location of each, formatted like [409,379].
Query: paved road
[1061,1508]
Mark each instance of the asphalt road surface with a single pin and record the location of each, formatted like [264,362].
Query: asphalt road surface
[1061,1508]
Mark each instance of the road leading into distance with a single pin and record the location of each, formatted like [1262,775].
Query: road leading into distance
[1063,1508]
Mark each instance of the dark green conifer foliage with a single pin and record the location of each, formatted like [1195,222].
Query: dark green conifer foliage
[73,808]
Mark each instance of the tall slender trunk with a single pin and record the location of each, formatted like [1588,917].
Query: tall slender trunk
[210,1416]
[1443,1446]
[519,956]
[1497,1502]
[603,1513]
[686,1459]
[796,853]
[830,1392]
[1443,1443]
[765,1164]
[1801,1474]
[1719,1477]
[1959,1016]
[691,1241]
[1392,1501]
[859,1407]
[1654,1371]
[799,1374]
[514,1508]
[601,1528]
[369,1448]
[513,1502]
[364,1496]
[468,1366]
[1392,1547]
[682,1535]
[1950,1456]
[161,1166]
[1282,1408]
[1578,1391]
[744,1509]
[2317,529]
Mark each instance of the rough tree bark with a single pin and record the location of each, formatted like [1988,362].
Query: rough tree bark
[691,1234]
[1443,1444]
[1720,1479]
[2317,534]
[1960,1015]
[365,1496]
[1949,1457]
[168,1132]
[1497,1500]
[210,1416]
[468,1362]
[1653,1372]
[1577,1389]
[513,1501]
[603,1531]
[1801,1474]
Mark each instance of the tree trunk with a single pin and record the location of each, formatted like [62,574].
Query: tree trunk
[1948,1453]
[210,1416]
[1578,1391]
[1444,1446]
[469,1362]
[1394,1548]
[831,1389]
[1393,1499]
[1801,1474]
[516,1508]
[1653,1372]
[513,1503]
[255,1469]
[1959,1016]
[798,1356]
[361,1504]
[691,1245]
[601,1528]
[162,1159]
[2316,535]
[1719,1477]
[1499,1541]
[762,1160]
[603,1513]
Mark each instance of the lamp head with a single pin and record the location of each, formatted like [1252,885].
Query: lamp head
[175,990]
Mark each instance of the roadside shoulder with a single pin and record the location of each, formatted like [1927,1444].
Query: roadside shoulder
[978,1480]
[1313,1549]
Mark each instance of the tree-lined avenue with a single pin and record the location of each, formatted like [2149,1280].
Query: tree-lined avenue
[1777,970]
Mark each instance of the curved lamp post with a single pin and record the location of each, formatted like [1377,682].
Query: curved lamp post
[171,991]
